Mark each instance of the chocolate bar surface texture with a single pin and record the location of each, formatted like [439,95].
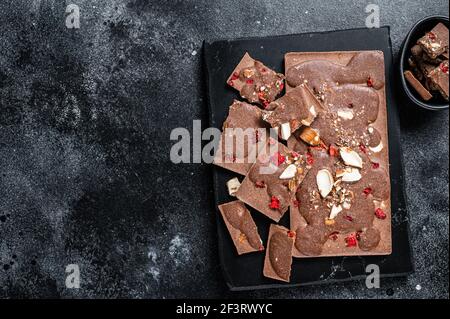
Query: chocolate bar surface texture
[354,216]
[242,228]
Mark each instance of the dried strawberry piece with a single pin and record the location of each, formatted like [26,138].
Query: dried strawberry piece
[265,104]
[380,213]
[235,76]
[444,67]
[367,191]
[278,158]
[369,82]
[349,218]
[263,70]
[351,240]
[431,35]
[249,81]
[309,158]
[261,248]
[260,184]
[230,83]
[375,165]
[281,86]
[363,148]
[295,154]
[296,203]
[334,235]
[274,203]
[291,234]
[333,151]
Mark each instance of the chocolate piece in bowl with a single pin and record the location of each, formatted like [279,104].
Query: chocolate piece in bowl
[242,228]
[278,260]
[435,42]
[415,83]
[273,180]
[439,79]
[256,82]
[243,135]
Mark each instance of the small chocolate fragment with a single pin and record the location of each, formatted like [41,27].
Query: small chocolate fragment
[415,83]
[435,42]
[278,260]
[256,82]
[241,227]
[439,79]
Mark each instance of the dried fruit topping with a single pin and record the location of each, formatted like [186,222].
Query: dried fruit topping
[274,203]
[296,203]
[367,191]
[380,213]
[309,158]
[230,83]
[375,165]
[444,67]
[349,218]
[278,158]
[363,148]
[369,82]
[431,35]
[261,248]
[249,81]
[260,184]
[295,155]
[333,151]
[291,234]
[350,240]
[235,76]
[334,235]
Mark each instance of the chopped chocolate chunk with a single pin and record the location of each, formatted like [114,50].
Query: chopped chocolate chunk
[278,260]
[435,42]
[241,227]
[439,79]
[256,82]
[415,83]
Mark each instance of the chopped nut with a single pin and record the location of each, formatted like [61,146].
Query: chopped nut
[329,222]
[335,210]
[233,186]
[310,136]
[377,148]
[285,130]
[350,157]
[351,176]
[325,182]
[289,172]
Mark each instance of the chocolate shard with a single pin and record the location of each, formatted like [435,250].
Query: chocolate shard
[418,87]
[278,260]
[256,82]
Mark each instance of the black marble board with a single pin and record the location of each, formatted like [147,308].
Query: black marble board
[245,272]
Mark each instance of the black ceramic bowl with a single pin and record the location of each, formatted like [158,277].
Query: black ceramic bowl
[417,31]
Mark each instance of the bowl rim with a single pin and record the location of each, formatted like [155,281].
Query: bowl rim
[404,49]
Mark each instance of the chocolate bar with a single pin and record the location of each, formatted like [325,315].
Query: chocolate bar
[439,79]
[435,42]
[273,180]
[415,83]
[240,152]
[242,228]
[256,82]
[278,260]
[348,183]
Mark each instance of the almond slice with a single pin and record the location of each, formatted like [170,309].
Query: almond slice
[351,175]
[377,148]
[285,131]
[335,210]
[325,182]
[350,157]
[233,186]
[310,136]
[289,172]
[345,114]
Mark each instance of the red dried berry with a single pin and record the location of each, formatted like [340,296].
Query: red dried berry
[309,158]
[265,104]
[281,86]
[349,218]
[278,159]
[263,70]
[363,148]
[367,191]
[291,234]
[295,154]
[333,151]
[249,81]
[444,67]
[375,165]
[296,203]
[380,213]
[350,240]
[369,82]
[260,184]
[274,203]
[230,83]
[261,248]
[431,35]
[235,76]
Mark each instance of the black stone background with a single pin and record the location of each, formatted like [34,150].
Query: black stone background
[85,174]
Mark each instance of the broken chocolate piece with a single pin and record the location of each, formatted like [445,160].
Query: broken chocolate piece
[435,42]
[278,260]
[439,79]
[241,227]
[243,135]
[266,188]
[415,83]
[256,82]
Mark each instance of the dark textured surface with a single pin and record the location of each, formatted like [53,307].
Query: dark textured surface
[84,150]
